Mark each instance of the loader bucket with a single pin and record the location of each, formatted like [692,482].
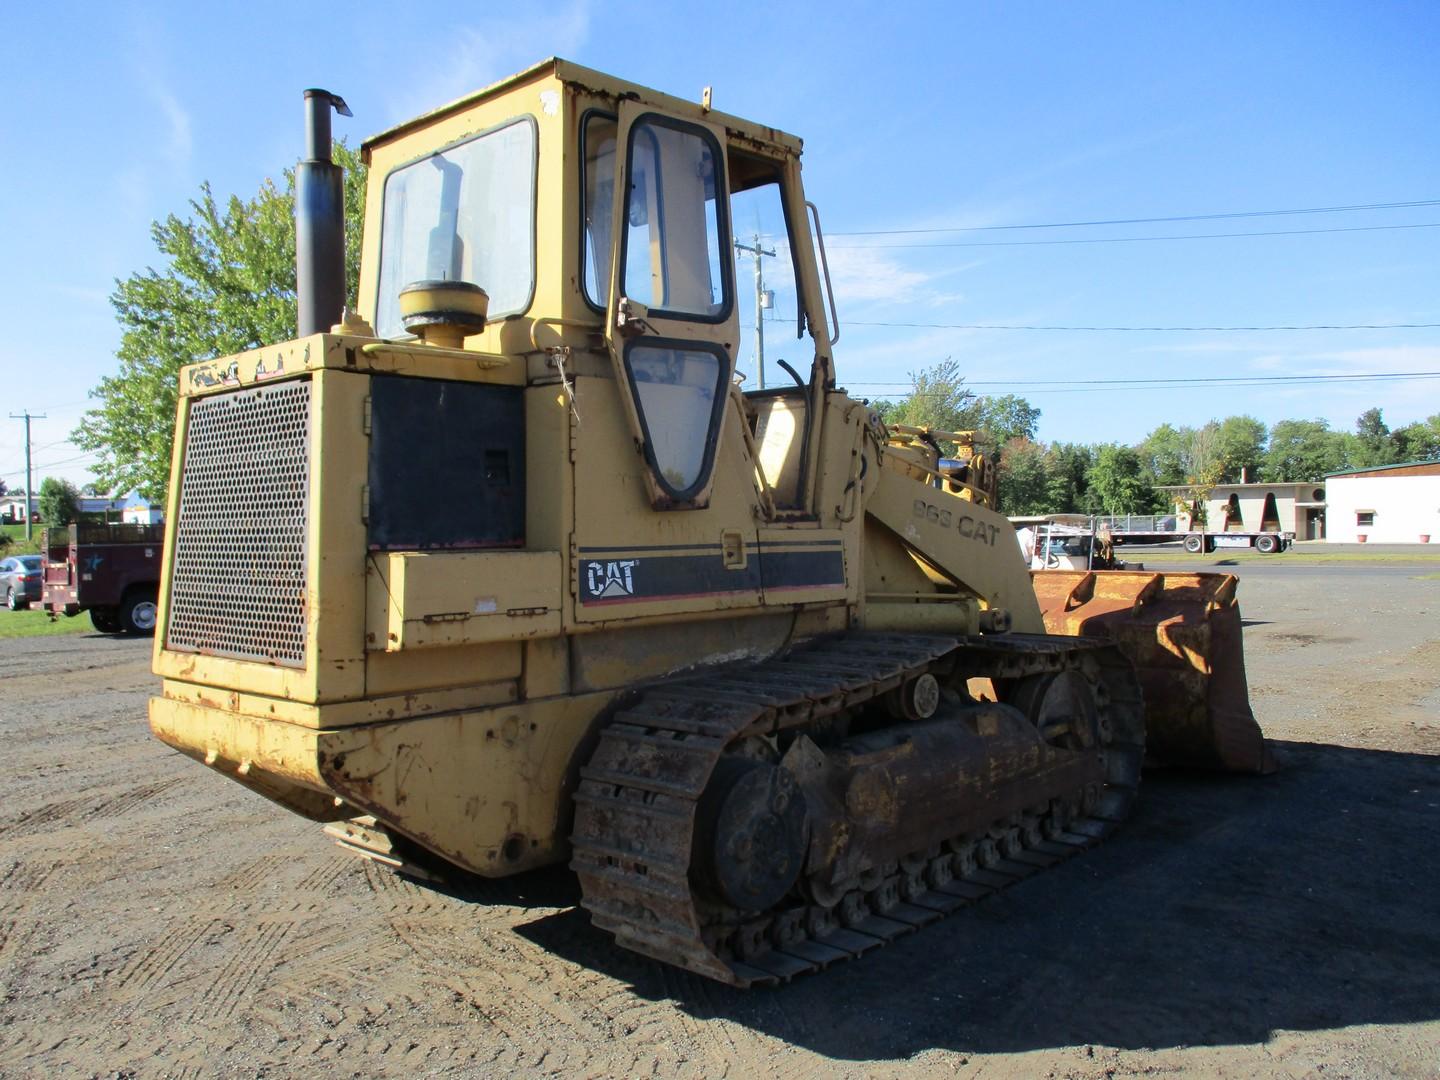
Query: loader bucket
[1183,634]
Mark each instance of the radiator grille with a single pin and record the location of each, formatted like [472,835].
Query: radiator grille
[237,588]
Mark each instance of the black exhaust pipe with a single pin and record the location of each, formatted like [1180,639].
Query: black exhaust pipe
[319,220]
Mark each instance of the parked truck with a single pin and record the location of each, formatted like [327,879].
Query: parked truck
[111,571]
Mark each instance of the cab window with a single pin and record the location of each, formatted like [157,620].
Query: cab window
[466,213]
[757,207]
[598,157]
[676,246]
[679,392]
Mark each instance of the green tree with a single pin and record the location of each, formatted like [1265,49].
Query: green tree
[59,501]
[1302,451]
[938,400]
[1005,418]
[1419,441]
[1371,444]
[1240,446]
[227,285]
[1024,478]
[1068,485]
[1118,481]
[1165,454]
[1206,466]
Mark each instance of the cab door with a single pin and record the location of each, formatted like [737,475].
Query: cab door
[671,322]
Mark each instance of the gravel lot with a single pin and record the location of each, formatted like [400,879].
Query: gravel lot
[158,920]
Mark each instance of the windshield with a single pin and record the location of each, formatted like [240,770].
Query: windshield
[30,562]
[464,214]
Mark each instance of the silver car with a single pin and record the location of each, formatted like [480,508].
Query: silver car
[20,580]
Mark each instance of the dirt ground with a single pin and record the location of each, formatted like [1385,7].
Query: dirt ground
[158,920]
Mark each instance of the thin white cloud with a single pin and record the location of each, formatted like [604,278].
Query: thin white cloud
[150,55]
[861,275]
[480,56]
[180,141]
[1377,359]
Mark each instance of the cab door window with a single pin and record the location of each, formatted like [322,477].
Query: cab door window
[660,183]
[675,250]
[679,390]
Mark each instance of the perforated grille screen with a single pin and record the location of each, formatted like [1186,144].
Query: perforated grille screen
[238,584]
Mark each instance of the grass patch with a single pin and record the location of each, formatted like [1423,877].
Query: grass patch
[36,623]
[17,545]
[1334,557]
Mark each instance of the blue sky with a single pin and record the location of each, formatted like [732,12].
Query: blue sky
[915,116]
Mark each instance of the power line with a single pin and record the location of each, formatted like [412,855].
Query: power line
[51,464]
[1066,386]
[1148,220]
[1194,379]
[1143,239]
[49,445]
[69,460]
[1147,329]
[1113,389]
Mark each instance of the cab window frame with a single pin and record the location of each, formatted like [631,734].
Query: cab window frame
[802,317]
[725,235]
[586,117]
[492,317]
[713,426]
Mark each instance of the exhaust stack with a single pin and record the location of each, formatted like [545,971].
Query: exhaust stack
[319,220]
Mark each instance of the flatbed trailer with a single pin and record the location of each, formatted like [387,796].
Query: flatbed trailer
[111,571]
[1166,529]
[1267,543]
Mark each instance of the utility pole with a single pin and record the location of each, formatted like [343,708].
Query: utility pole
[27,416]
[760,305]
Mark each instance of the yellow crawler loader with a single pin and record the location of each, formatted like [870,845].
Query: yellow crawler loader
[504,569]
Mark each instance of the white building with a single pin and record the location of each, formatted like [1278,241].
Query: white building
[12,507]
[137,510]
[1385,504]
[132,509]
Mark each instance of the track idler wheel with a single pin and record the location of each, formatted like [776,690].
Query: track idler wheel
[753,833]
[916,699]
[1062,706]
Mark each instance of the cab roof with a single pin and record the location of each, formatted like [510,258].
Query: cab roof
[599,82]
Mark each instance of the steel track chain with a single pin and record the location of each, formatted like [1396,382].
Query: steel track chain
[637,801]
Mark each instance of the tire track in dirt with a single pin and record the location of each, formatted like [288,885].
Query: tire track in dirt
[35,820]
[151,966]
[251,875]
[19,1044]
[471,949]
[252,959]
[701,1019]
[20,885]
[344,965]
[85,809]
[325,875]
[555,1015]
